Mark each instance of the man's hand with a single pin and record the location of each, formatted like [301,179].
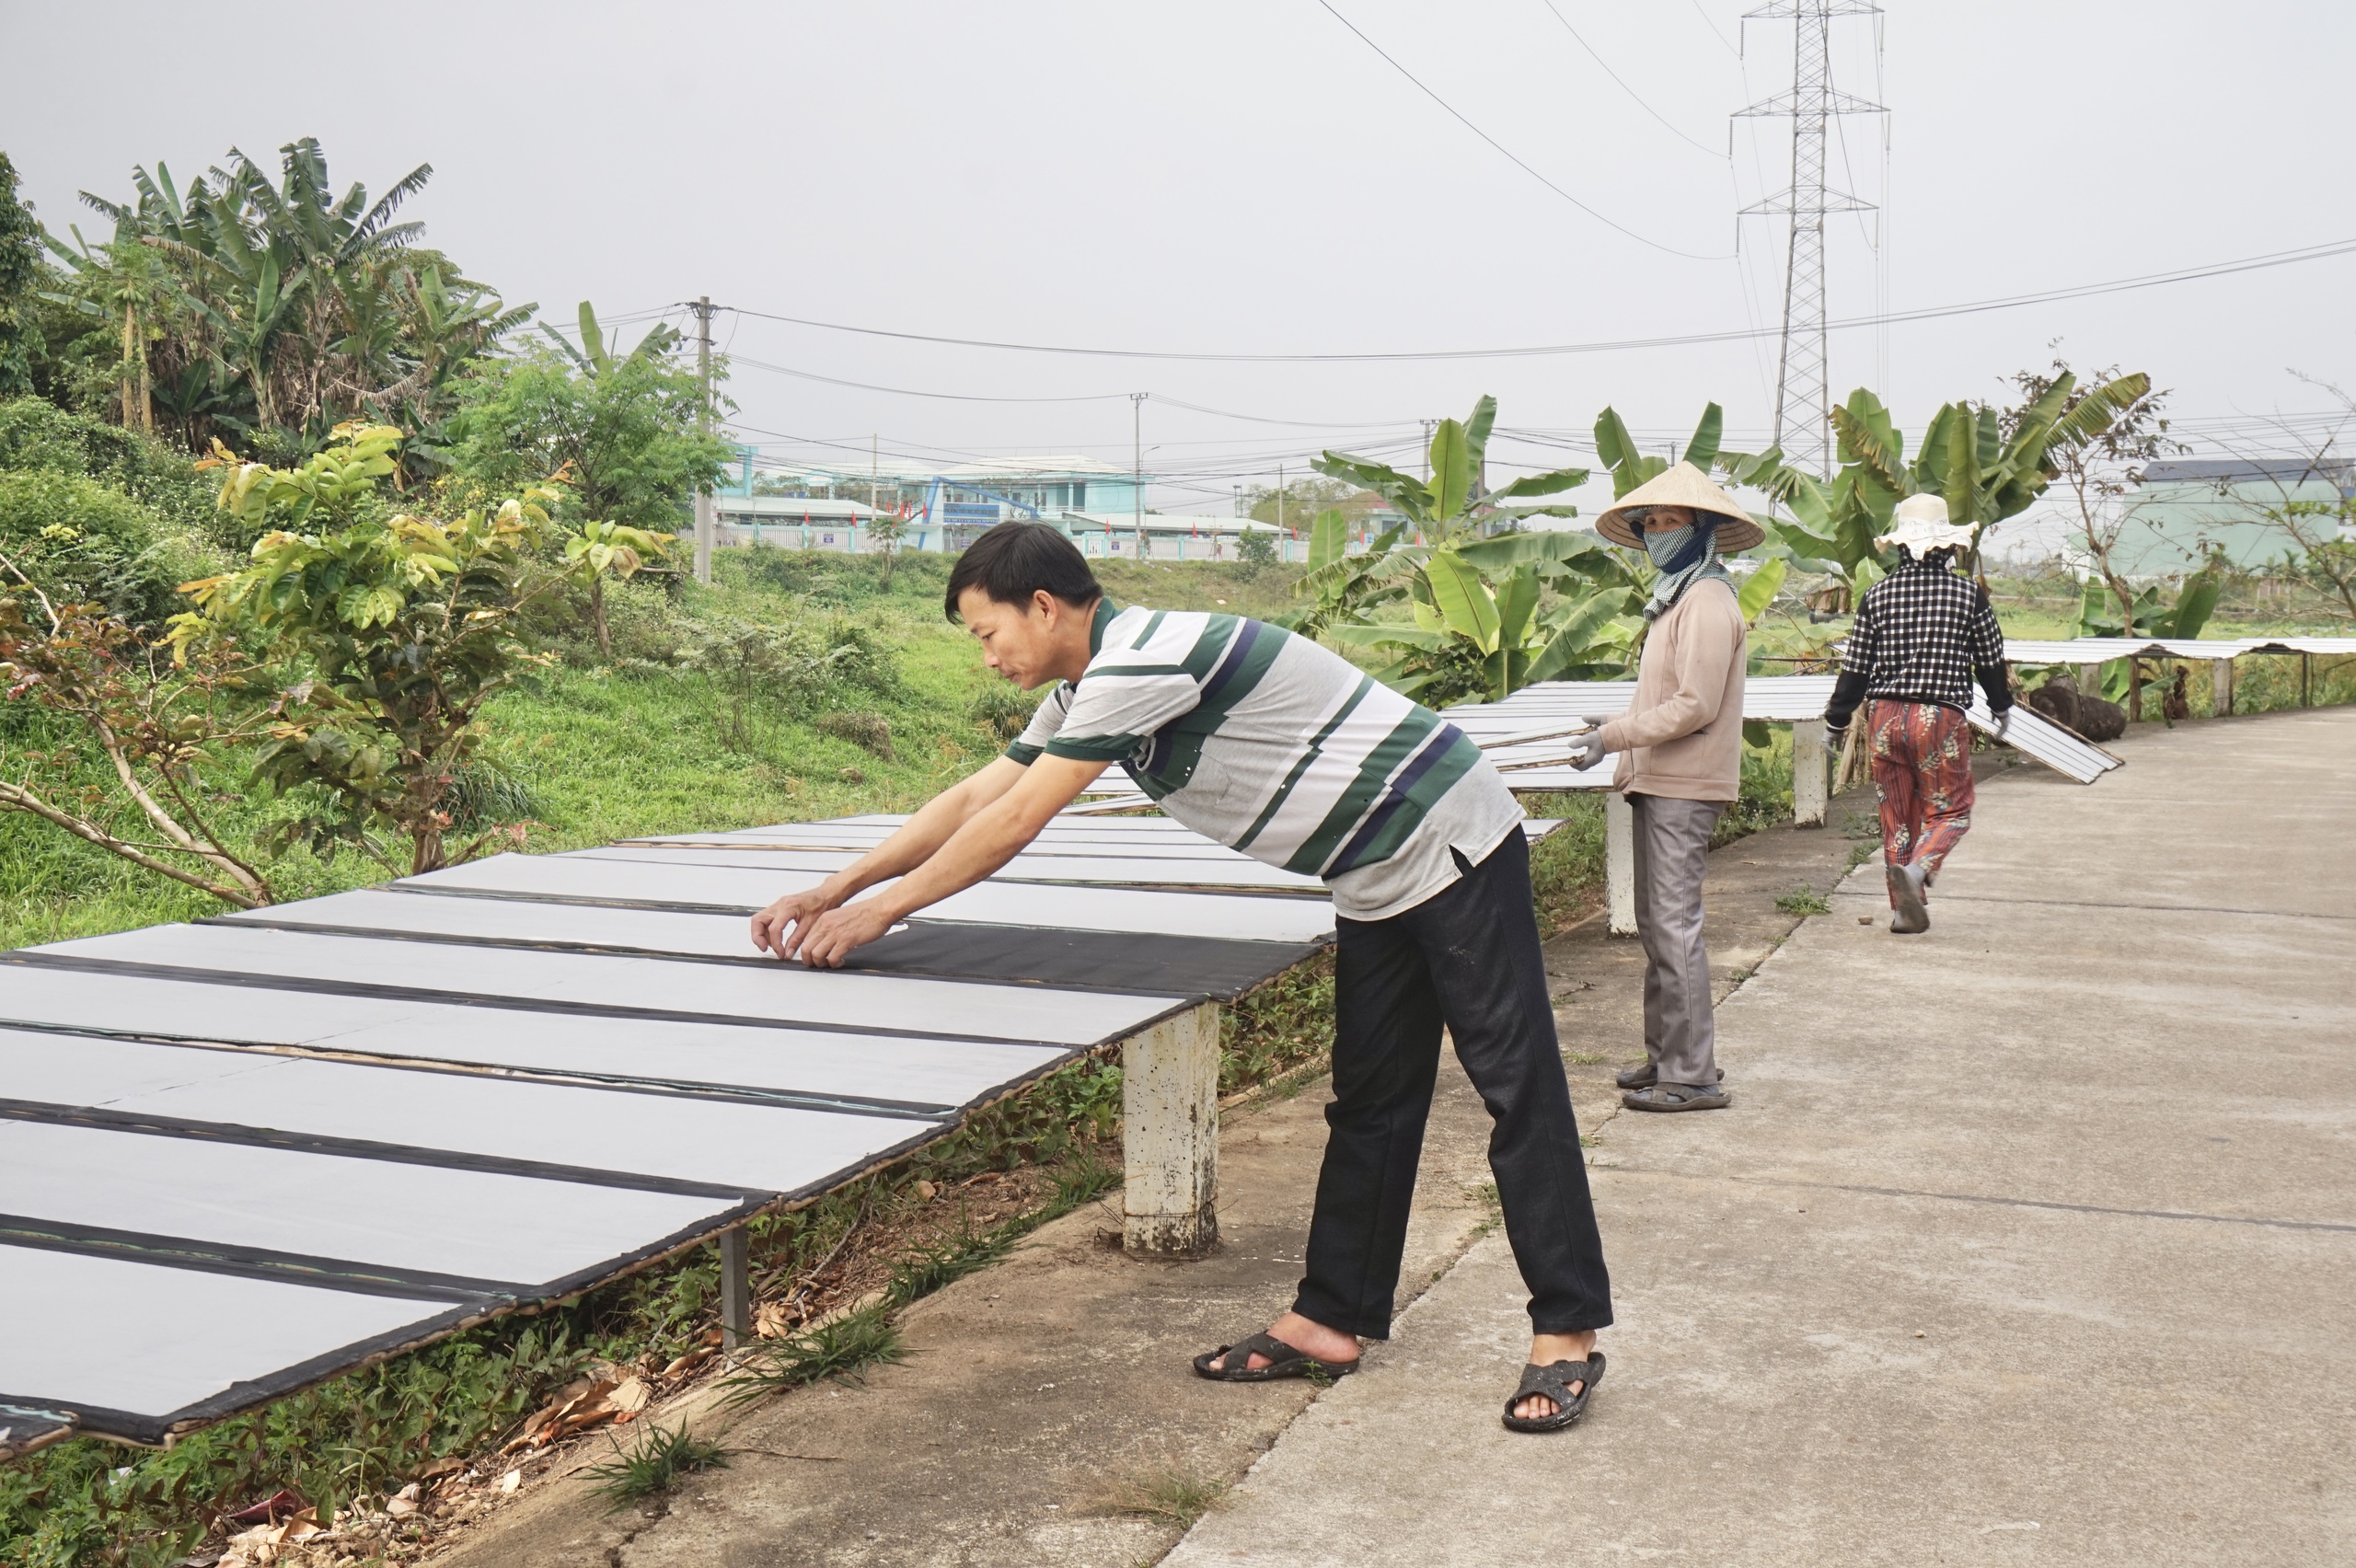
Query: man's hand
[831,938]
[782,926]
[2005,724]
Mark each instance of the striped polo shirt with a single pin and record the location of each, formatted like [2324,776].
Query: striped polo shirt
[1278,747]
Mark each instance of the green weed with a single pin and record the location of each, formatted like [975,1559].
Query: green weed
[842,1350]
[1804,900]
[652,1461]
[944,1261]
[1567,866]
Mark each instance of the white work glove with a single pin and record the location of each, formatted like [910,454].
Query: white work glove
[1588,750]
[2005,724]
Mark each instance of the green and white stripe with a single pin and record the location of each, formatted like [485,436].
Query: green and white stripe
[1272,744]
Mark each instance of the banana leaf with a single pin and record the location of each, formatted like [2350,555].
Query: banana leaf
[1758,592]
[1329,539]
[1516,600]
[1702,450]
[1360,634]
[1452,486]
[1403,490]
[1465,604]
[1572,635]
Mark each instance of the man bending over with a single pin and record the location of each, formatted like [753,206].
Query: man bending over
[1274,746]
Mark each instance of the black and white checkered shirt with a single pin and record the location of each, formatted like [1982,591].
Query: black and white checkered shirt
[1921,634]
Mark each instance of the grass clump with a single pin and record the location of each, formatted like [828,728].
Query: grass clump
[842,1350]
[943,1263]
[1170,1495]
[651,1464]
[1804,900]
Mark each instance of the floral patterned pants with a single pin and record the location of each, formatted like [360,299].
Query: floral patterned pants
[1922,761]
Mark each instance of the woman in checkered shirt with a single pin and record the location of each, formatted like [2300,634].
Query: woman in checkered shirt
[1921,635]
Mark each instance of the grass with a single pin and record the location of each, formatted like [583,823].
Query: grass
[1804,900]
[655,1460]
[1168,1495]
[1285,1025]
[842,1350]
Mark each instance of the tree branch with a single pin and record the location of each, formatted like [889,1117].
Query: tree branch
[16,798]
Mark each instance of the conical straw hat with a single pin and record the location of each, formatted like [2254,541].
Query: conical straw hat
[1684,485]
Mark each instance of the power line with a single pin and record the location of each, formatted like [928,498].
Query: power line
[1073,398]
[1624,87]
[1590,212]
[1729,48]
[1731,335]
[913,392]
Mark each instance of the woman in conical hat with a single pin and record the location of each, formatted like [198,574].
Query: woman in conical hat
[1653,518]
[1921,636]
[1681,766]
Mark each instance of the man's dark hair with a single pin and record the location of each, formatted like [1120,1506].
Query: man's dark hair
[1014,560]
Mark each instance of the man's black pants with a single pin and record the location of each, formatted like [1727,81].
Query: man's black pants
[1467,958]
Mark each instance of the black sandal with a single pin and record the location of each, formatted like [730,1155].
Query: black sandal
[1284,1361]
[1554,1383]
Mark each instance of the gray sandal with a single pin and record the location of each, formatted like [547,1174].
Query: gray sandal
[1650,1074]
[1221,1366]
[1679,1097]
[1554,1383]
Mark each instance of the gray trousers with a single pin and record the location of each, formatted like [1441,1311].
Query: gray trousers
[1673,851]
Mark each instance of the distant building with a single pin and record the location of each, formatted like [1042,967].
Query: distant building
[945,507]
[2187,509]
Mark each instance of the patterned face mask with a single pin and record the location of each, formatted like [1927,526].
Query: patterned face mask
[1665,547]
[1682,557]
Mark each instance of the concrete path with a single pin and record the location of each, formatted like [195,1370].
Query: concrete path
[2030,1241]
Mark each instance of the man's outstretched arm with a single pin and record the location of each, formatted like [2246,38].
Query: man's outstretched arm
[909,847]
[1010,814]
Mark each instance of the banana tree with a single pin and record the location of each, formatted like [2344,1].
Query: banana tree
[2147,615]
[1984,472]
[1451,503]
[1473,640]
[1447,511]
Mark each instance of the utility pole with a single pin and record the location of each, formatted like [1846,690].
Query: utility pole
[1802,396]
[1428,452]
[705,528]
[1280,495]
[1136,475]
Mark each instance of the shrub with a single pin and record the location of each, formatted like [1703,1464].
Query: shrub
[89,543]
[37,435]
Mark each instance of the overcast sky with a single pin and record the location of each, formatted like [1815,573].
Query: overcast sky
[1253,178]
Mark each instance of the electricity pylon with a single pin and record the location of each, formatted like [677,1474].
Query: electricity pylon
[1803,397]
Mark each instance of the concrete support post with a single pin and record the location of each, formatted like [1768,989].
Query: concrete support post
[2221,688]
[735,1289]
[2090,680]
[1811,775]
[1170,1135]
[2307,679]
[1618,864]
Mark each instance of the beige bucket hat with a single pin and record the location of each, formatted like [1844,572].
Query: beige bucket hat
[1921,525]
[1684,485]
